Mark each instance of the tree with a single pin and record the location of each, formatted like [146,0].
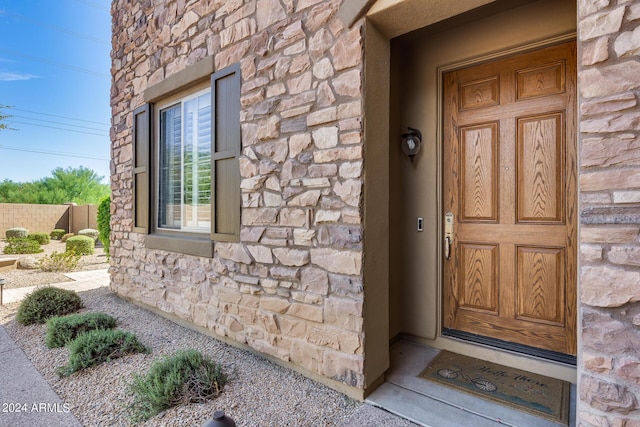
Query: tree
[104,222]
[78,185]
[16,192]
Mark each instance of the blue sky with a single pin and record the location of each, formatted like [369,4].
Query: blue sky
[55,73]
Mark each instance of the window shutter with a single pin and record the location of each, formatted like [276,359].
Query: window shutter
[226,144]
[141,167]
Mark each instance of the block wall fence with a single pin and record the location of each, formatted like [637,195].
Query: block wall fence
[47,217]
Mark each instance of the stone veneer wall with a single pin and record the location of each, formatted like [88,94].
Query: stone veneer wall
[609,82]
[292,288]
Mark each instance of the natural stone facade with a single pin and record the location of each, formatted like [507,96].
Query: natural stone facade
[292,287]
[608,82]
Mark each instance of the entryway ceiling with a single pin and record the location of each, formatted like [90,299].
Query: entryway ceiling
[396,17]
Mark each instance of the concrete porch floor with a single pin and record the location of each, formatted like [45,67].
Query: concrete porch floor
[433,405]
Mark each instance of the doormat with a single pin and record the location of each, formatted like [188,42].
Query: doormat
[536,394]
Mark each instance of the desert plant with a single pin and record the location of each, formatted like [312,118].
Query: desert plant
[57,233]
[59,261]
[64,238]
[40,237]
[16,232]
[89,232]
[22,245]
[104,219]
[81,245]
[183,377]
[62,330]
[99,346]
[45,303]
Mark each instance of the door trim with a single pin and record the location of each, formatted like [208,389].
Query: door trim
[439,172]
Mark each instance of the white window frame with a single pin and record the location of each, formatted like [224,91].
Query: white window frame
[181,100]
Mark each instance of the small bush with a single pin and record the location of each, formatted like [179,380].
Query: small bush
[81,245]
[57,233]
[183,377]
[63,330]
[59,261]
[22,245]
[40,237]
[89,232]
[16,232]
[99,346]
[104,223]
[45,303]
[66,237]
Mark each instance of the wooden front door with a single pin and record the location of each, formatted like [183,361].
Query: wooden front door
[510,183]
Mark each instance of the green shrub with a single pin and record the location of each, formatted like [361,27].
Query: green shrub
[89,232]
[66,237]
[40,237]
[22,245]
[57,233]
[183,377]
[45,303]
[81,245]
[16,232]
[99,346]
[59,261]
[104,222]
[63,330]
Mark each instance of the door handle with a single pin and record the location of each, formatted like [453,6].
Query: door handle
[448,234]
[447,248]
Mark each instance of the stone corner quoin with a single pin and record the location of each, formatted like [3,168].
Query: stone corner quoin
[609,180]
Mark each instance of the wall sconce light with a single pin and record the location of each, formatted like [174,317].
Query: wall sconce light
[411,142]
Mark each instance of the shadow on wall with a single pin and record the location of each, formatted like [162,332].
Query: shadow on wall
[45,218]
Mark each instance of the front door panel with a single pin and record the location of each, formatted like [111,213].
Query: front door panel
[510,182]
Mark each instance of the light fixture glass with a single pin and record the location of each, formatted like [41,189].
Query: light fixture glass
[411,142]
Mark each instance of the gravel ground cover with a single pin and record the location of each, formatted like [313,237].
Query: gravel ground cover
[20,278]
[259,392]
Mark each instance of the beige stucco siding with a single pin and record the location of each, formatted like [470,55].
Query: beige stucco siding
[416,60]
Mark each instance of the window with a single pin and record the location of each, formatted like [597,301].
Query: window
[185,165]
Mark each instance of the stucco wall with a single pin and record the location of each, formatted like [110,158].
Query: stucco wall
[608,81]
[415,186]
[292,288]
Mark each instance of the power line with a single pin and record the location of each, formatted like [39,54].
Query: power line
[57,64]
[59,123]
[96,5]
[54,115]
[55,28]
[53,127]
[53,153]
